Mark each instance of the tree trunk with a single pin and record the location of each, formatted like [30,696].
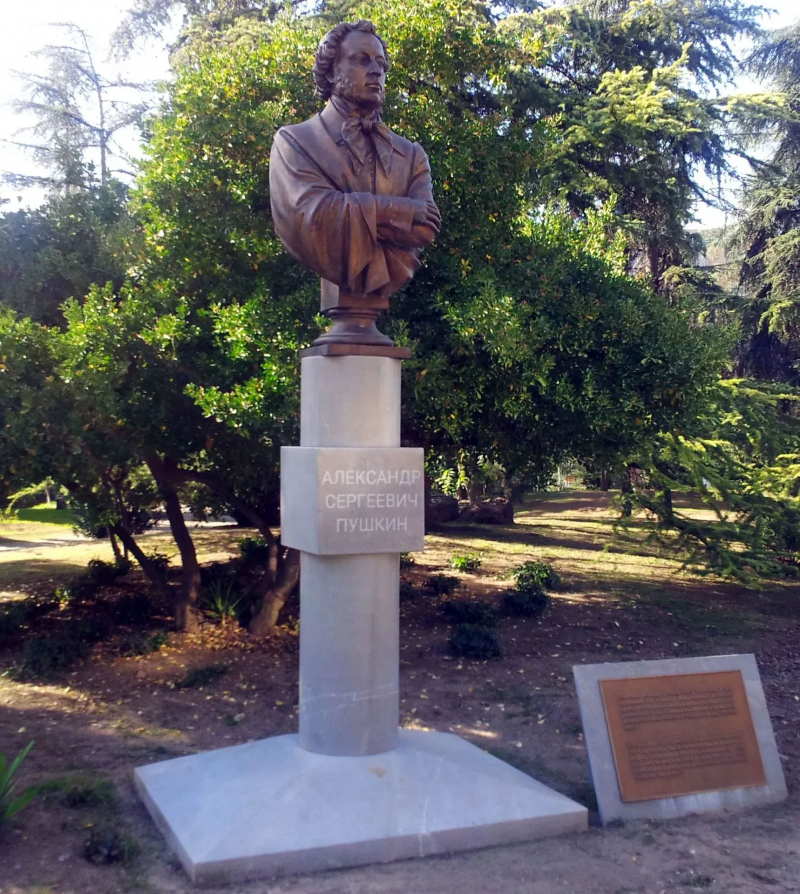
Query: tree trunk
[150,569]
[189,594]
[167,475]
[265,616]
[626,488]
[114,545]
[605,480]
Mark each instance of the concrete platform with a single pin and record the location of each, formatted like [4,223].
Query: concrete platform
[269,808]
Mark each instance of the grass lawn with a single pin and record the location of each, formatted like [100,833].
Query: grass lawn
[46,514]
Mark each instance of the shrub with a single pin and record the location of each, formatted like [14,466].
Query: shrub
[13,619]
[136,644]
[134,608]
[254,549]
[221,601]
[82,587]
[467,562]
[202,676]
[471,641]
[540,574]
[44,656]
[407,561]
[408,591]
[109,845]
[525,603]
[11,799]
[160,561]
[443,584]
[104,573]
[462,611]
[78,792]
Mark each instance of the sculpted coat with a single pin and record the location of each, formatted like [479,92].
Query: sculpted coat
[344,201]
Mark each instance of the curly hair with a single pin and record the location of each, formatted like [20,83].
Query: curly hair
[328,50]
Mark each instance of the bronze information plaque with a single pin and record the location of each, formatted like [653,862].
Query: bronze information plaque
[681,735]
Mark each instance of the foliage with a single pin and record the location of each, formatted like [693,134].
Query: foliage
[80,792]
[443,584]
[741,461]
[105,573]
[78,111]
[254,549]
[11,799]
[770,231]
[135,644]
[222,601]
[534,574]
[202,676]
[467,562]
[470,641]
[107,844]
[15,616]
[527,603]
[408,592]
[44,656]
[463,611]
[407,561]
[132,608]
[58,251]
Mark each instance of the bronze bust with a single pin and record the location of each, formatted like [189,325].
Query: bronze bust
[352,200]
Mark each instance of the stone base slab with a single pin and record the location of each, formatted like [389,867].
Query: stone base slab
[269,808]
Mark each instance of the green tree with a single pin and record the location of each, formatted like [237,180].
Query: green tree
[770,234]
[58,251]
[79,113]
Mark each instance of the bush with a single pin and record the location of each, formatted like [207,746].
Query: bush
[467,562]
[407,561]
[109,845]
[540,574]
[135,608]
[13,618]
[11,799]
[408,591]
[525,603]
[462,611]
[136,644]
[470,641]
[202,676]
[44,656]
[443,584]
[221,601]
[103,574]
[79,792]
[254,549]
[160,561]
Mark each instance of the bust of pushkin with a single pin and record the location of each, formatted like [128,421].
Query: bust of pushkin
[351,200]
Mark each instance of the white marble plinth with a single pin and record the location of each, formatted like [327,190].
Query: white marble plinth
[269,808]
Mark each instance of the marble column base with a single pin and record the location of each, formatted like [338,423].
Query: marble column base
[270,808]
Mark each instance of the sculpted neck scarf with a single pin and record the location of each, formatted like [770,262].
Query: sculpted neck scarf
[361,128]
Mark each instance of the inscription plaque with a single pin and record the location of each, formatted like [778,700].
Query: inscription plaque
[681,734]
[351,500]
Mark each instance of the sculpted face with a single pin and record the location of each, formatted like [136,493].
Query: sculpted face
[359,73]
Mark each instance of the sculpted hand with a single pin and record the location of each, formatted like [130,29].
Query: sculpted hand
[427,215]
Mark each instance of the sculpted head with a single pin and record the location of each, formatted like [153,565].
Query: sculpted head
[351,62]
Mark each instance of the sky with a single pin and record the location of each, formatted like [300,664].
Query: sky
[29,26]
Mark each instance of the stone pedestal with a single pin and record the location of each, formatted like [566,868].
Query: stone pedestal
[351,788]
[349,649]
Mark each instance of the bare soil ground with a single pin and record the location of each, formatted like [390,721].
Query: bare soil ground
[620,600]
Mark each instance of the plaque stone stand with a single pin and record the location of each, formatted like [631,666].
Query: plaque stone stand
[350,788]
